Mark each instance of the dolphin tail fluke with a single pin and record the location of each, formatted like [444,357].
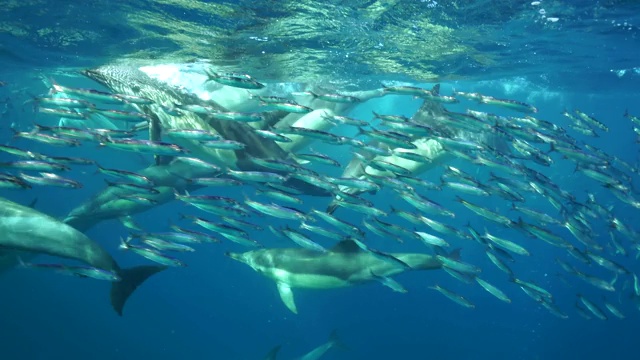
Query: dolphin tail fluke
[130,280]
[287,297]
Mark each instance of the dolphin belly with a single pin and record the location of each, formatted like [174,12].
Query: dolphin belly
[309,281]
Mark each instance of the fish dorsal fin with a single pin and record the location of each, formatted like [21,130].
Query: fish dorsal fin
[346,246]
[287,297]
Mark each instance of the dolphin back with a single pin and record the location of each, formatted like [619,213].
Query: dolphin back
[26,229]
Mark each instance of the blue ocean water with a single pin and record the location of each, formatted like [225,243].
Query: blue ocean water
[217,308]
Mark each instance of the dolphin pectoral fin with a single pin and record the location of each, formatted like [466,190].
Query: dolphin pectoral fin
[130,279]
[287,297]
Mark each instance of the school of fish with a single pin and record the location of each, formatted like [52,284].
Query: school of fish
[517,154]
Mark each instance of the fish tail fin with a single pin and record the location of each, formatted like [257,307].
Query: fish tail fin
[361,131]
[182,216]
[299,160]
[38,128]
[124,244]
[455,254]
[329,118]
[21,263]
[16,133]
[130,280]
[552,148]
[210,74]
[577,168]
[435,90]
[251,95]
[185,179]
[32,99]
[53,86]
[332,207]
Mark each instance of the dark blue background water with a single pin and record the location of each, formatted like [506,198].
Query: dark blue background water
[220,309]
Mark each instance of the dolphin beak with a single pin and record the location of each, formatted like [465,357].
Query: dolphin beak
[88,73]
[94,75]
[234,256]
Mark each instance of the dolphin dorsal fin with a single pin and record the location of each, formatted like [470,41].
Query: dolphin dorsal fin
[346,246]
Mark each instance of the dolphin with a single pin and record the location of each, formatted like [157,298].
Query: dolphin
[314,354]
[27,230]
[108,203]
[318,119]
[130,80]
[318,352]
[429,113]
[345,264]
[171,174]
[433,114]
[273,353]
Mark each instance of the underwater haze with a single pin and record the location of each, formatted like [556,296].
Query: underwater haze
[523,118]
